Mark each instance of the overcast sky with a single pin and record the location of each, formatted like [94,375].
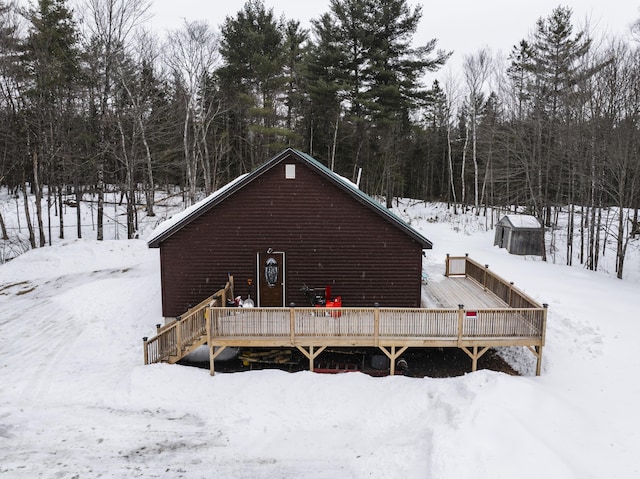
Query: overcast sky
[464,26]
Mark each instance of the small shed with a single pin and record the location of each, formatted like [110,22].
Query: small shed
[520,234]
[289,225]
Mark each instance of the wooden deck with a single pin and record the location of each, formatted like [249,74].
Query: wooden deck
[454,291]
[471,309]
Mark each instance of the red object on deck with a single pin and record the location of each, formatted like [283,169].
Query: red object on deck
[335,302]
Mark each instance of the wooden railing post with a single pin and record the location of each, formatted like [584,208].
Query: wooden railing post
[376,324]
[466,262]
[544,330]
[484,278]
[178,335]
[460,322]
[545,307]
[146,353]
[292,323]
[207,321]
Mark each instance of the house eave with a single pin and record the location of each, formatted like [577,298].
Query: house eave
[215,199]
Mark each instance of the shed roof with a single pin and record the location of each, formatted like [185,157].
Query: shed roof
[176,222]
[522,221]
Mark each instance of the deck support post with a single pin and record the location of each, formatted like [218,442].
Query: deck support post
[537,352]
[311,354]
[393,355]
[475,355]
[207,322]
[214,352]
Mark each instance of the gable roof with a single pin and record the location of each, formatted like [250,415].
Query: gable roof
[521,221]
[175,223]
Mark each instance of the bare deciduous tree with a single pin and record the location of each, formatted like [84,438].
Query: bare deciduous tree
[192,55]
[111,24]
[476,71]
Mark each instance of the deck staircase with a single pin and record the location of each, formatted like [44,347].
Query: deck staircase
[176,339]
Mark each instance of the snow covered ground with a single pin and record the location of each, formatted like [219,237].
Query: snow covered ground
[76,401]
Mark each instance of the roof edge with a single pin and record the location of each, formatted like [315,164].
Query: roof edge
[167,228]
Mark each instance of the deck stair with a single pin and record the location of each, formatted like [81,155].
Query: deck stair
[183,335]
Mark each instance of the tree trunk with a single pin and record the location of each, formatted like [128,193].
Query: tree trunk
[100,191]
[78,215]
[620,243]
[38,199]
[475,162]
[450,160]
[543,243]
[570,229]
[191,175]
[463,167]
[49,214]
[150,191]
[61,207]
[3,228]
[32,237]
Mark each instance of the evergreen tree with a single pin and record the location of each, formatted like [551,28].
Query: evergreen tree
[377,76]
[325,89]
[51,57]
[295,50]
[556,61]
[253,79]
[519,73]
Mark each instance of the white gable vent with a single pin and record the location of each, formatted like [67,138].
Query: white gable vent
[290,172]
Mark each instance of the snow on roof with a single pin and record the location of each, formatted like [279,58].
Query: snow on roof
[523,221]
[178,217]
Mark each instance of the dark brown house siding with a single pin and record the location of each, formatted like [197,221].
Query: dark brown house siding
[328,237]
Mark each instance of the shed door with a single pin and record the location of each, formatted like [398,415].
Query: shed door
[271,279]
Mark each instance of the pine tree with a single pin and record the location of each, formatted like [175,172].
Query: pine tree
[253,78]
[325,88]
[556,61]
[51,57]
[368,72]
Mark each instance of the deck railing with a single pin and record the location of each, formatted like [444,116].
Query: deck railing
[420,323]
[506,291]
[173,338]
[296,325]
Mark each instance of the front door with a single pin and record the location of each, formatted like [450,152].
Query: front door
[271,279]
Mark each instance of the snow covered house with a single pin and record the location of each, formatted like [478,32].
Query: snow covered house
[519,234]
[290,223]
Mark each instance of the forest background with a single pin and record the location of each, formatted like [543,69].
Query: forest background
[92,102]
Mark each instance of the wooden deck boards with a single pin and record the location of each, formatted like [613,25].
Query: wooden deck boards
[443,292]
